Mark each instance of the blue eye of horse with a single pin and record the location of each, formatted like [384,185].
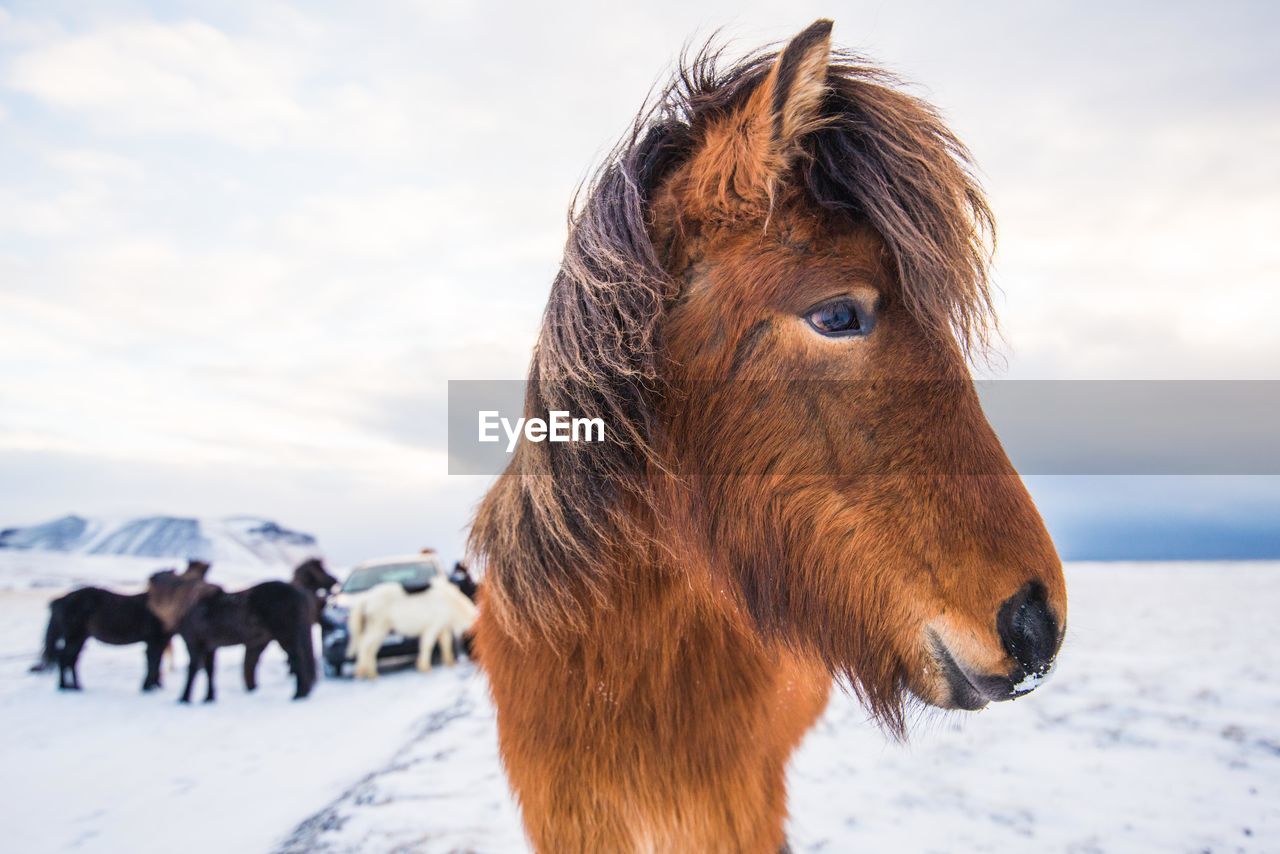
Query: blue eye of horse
[839,319]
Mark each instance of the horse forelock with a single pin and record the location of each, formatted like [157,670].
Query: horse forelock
[878,156]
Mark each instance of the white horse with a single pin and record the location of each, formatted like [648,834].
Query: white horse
[436,614]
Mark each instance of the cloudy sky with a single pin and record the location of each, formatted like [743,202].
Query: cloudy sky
[244,245]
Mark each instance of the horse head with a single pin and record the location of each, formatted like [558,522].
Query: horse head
[311,575]
[197,568]
[829,245]
[771,294]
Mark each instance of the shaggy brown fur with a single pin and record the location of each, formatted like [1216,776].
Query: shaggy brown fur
[663,614]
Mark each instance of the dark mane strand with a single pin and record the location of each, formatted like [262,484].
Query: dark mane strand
[887,158]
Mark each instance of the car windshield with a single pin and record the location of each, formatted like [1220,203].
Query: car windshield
[417,574]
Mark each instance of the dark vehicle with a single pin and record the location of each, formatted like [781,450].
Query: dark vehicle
[413,572]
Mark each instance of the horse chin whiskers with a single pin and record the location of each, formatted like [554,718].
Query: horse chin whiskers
[892,709]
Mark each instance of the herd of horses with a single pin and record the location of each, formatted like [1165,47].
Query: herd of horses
[207,618]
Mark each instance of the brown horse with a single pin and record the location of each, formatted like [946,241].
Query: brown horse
[769,293]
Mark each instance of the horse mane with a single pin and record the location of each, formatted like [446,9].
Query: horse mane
[880,156]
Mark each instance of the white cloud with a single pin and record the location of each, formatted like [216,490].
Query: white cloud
[382,223]
[90,163]
[1144,252]
[193,79]
[60,213]
[176,78]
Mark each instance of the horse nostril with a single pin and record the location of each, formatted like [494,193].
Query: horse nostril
[1028,629]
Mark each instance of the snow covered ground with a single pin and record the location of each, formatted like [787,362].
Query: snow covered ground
[110,769]
[1160,731]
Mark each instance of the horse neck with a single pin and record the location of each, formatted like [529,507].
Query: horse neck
[642,612]
[659,708]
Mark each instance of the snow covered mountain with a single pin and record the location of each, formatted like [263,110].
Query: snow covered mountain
[240,540]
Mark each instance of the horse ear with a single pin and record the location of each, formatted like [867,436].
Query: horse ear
[796,85]
[745,154]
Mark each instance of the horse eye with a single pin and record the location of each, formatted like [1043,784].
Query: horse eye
[839,319]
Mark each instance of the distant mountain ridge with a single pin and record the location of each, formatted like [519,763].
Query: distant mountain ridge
[234,539]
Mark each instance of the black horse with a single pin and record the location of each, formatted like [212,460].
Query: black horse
[208,617]
[461,577]
[311,578]
[92,612]
[109,617]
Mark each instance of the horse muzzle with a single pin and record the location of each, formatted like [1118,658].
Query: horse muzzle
[1030,636]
